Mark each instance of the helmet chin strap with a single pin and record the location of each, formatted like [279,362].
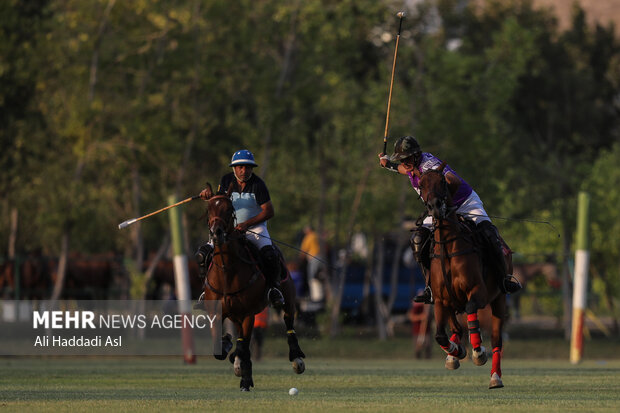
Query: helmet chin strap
[242,180]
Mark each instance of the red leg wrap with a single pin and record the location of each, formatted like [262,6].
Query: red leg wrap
[474,330]
[455,339]
[452,350]
[497,361]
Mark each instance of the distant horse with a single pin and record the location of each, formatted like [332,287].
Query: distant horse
[25,278]
[459,279]
[235,279]
[163,274]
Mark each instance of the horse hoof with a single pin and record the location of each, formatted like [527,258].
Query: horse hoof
[299,366]
[237,366]
[496,382]
[246,383]
[452,363]
[479,357]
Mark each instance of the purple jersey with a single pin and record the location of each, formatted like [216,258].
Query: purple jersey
[429,161]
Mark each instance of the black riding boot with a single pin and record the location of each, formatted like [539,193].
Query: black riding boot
[271,265]
[421,246]
[204,255]
[507,283]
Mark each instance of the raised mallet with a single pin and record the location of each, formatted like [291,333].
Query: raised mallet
[400,15]
[134,220]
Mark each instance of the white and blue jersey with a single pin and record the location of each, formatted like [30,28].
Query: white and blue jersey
[247,204]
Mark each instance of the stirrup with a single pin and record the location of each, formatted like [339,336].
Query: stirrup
[426,297]
[275,297]
[511,284]
[199,305]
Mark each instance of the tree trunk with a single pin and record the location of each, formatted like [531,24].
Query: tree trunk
[284,73]
[13,234]
[337,296]
[401,242]
[136,230]
[380,309]
[62,267]
[66,236]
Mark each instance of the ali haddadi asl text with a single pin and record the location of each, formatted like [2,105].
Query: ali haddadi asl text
[81,341]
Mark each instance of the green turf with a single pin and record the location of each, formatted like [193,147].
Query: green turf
[165,384]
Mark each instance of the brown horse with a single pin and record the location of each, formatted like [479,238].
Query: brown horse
[235,279]
[460,280]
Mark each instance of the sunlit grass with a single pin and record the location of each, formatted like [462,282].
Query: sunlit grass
[165,384]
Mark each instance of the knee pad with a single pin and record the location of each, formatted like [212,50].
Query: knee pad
[269,254]
[420,245]
[490,232]
[203,253]
[271,262]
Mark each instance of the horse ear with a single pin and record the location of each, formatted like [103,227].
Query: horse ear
[208,186]
[230,189]
[442,166]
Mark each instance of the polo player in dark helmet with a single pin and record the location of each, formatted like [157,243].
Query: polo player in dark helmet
[253,207]
[407,158]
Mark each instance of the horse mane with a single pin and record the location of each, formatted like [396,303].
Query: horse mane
[452,187]
[230,189]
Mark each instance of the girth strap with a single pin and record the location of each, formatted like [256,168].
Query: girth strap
[245,287]
[251,281]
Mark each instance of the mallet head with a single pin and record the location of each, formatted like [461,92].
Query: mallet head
[400,14]
[127,223]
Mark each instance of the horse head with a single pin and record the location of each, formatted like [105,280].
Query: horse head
[435,193]
[221,217]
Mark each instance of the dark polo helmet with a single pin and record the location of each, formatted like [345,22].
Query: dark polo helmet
[404,148]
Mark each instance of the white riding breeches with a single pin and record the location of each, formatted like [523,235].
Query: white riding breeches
[259,236]
[471,208]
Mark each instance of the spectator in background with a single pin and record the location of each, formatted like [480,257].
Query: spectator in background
[311,249]
[258,333]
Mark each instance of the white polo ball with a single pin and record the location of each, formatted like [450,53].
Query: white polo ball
[293,391]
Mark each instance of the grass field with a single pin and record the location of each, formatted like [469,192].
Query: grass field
[366,381]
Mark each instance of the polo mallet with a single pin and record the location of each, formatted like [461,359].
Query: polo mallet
[400,15]
[134,220]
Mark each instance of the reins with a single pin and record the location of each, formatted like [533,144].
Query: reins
[444,255]
[453,226]
[217,250]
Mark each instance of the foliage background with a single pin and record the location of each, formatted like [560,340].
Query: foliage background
[107,107]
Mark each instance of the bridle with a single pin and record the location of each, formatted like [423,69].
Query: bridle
[222,230]
[220,227]
[437,205]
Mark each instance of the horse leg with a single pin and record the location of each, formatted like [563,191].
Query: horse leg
[457,335]
[498,309]
[243,362]
[479,355]
[295,354]
[226,347]
[226,340]
[453,350]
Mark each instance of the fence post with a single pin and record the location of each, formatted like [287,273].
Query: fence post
[580,282]
[181,280]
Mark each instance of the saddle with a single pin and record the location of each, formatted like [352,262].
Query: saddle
[479,241]
[255,256]
[475,236]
